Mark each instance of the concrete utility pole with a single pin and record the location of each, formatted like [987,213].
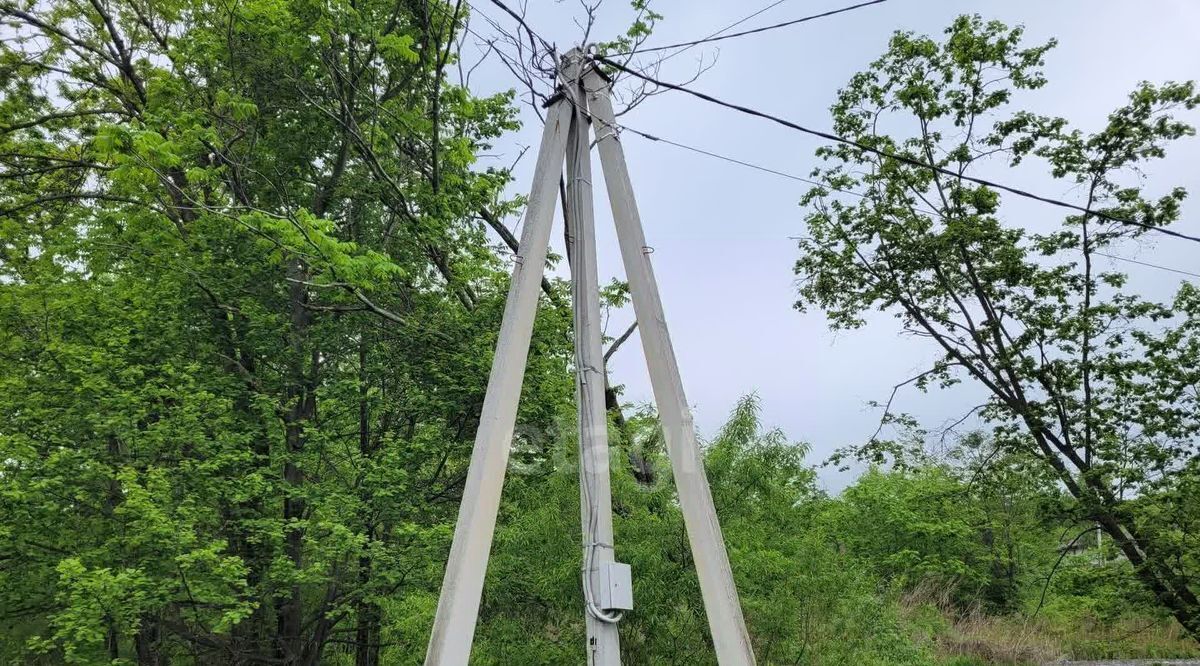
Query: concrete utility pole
[603,643]
[721,604]
[584,99]
[458,604]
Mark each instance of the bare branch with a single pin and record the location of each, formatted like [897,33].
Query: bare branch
[619,341]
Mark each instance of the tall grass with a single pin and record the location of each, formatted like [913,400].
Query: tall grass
[969,636]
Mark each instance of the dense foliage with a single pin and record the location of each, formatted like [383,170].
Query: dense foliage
[1093,381]
[247,311]
[247,315]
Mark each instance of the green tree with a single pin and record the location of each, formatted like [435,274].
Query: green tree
[247,312]
[1024,516]
[1075,366]
[980,528]
[914,527]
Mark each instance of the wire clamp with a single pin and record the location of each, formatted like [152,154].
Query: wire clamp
[582,373]
[612,133]
[552,99]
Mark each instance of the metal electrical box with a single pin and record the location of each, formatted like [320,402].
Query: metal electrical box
[616,587]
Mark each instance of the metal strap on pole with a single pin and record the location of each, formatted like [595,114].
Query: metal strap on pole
[725,622]
[458,604]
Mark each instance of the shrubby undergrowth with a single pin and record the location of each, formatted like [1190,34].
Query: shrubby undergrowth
[940,563]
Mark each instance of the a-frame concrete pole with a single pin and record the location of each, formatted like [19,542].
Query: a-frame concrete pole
[725,622]
[603,643]
[458,605]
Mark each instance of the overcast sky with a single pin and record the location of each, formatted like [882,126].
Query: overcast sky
[721,232]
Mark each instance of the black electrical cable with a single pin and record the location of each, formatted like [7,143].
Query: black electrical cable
[883,153]
[783,174]
[716,37]
[722,31]
[1146,264]
[732,160]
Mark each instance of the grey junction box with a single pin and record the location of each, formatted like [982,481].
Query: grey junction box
[616,587]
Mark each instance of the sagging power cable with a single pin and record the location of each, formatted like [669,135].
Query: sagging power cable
[790,176]
[620,127]
[722,31]
[1147,264]
[890,155]
[717,36]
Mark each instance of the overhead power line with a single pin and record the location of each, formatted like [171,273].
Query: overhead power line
[726,158]
[717,36]
[899,158]
[833,137]
[783,174]
[1148,264]
[722,31]
[742,20]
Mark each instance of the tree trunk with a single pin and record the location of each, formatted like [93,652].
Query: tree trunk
[302,407]
[290,609]
[1168,587]
[366,632]
[112,642]
[146,643]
